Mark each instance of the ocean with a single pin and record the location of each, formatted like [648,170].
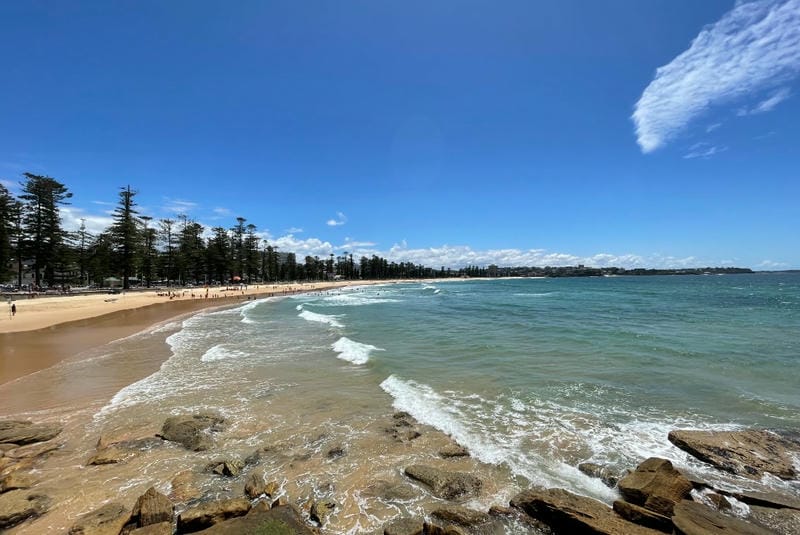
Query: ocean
[532,376]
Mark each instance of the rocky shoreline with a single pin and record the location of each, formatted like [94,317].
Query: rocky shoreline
[655,497]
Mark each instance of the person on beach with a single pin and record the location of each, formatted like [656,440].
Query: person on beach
[13,309]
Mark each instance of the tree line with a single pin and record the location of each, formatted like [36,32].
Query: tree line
[140,250]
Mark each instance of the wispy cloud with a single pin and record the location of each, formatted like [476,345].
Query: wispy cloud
[704,150]
[71,218]
[710,128]
[752,48]
[340,220]
[294,230]
[221,211]
[767,104]
[771,264]
[178,206]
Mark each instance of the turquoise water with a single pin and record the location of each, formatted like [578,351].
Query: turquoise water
[532,376]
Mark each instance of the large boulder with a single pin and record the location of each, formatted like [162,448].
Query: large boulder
[655,485]
[191,431]
[280,520]
[748,453]
[445,484]
[107,520]
[25,432]
[19,505]
[152,507]
[207,514]
[692,518]
[569,513]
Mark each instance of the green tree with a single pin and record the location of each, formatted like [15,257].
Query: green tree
[41,221]
[125,233]
[149,251]
[8,218]
[167,236]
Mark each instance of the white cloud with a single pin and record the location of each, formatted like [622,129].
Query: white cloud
[340,220]
[303,248]
[95,224]
[771,264]
[293,230]
[703,150]
[753,47]
[767,104]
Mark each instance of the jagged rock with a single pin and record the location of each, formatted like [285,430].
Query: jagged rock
[191,431]
[230,468]
[443,484]
[152,507]
[390,491]
[655,485]
[24,432]
[162,528]
[747,453]
[403,526]
[14,481]
[780,521]
[605,474]
[208,514]
[719,501]
[107,520]
[403,428]
[19,505]
[643,517]
[280,520]
[185,487]
[453,450]
[255,485]
[280,502]
[455,514]
[321,510]
[692,518]
[569,513]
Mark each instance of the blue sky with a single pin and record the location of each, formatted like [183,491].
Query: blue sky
[659,133]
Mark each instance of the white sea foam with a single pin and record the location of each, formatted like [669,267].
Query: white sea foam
[321,318]
[354,352]
[220,352]
[299,307]
[350,299]
[473,424]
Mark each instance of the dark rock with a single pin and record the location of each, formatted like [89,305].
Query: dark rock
[433,529]
[444,484]
[692,518]
[14,481]
[748,453]
[24,432]
[107,520]
[336,452]
[229,468]
[569,513]
[152,507]
[321,510]
[453,450]
[280,502]
[19,505]
[403,427]
[390,491]
[455,514]
[655,485]
[191,431]
[643,517]
[208,514]
[162,528]
[403,526]
[781,521]
[605,474]
[280,520]
[719,501]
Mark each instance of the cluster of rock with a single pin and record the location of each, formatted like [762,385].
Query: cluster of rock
[23,445]
[655,497]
